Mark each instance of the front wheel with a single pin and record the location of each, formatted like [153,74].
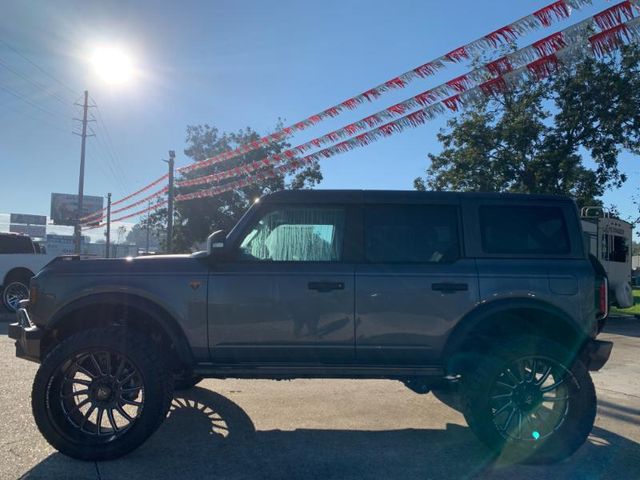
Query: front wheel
[13,293]
[530,402]
[100,394]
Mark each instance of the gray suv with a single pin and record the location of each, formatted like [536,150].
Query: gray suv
[488,300]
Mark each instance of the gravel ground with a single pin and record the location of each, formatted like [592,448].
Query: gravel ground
[324,429]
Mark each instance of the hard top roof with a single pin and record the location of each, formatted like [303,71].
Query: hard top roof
[360,196]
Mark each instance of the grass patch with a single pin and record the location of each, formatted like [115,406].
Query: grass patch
[635,310]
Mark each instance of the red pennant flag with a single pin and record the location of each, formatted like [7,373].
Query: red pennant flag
[452,103]
[459,84]
[500,66]
[613,16]
[458,54]
[550,44]
[494,86]
[559,9]
[502,35]
[543,67]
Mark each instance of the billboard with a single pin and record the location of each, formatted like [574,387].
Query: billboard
[27,219]
[39,231]
[64,208]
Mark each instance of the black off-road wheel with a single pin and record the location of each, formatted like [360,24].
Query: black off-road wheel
[530,401]
[100,394]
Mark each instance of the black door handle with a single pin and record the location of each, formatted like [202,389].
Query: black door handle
[326,286]
[450,287]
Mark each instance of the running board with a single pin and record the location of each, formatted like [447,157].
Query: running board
[280,371]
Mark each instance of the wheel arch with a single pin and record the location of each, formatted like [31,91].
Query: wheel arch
[124,309]
[17,272]
[505,317]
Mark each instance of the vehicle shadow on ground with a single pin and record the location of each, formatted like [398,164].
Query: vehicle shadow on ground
[627,325]
[208,436]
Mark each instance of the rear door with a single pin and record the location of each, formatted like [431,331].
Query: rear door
[413,284]
[287,292]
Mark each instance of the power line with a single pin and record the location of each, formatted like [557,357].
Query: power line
[41,69]
[35,83]
[26,100]
[108,142]
[40,119]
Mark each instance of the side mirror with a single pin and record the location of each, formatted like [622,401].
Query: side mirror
[216,241]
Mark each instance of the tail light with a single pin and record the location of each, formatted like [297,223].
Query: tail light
[603,298]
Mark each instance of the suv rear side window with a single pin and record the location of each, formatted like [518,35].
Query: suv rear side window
[296,234]
[524,230]
[16,244]
[411,233]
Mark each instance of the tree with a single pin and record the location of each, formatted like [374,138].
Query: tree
[138,235]
[195,219]
[515,142]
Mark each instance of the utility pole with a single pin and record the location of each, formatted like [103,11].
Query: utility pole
[148,224]
[78,231]
[171,162]
[108,252]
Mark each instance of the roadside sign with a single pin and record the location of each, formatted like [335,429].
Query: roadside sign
[64,208]
[28,219]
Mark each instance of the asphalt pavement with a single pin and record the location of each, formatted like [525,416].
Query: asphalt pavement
[324,429]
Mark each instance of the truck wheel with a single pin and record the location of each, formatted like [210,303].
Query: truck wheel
[530,402]
[14,291]
[101,393]
[186,381]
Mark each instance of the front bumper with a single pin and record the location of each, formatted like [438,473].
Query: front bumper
[596,354]
[27,336]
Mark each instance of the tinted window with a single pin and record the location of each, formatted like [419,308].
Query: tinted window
[15,244]
[296,234]
[411,234]
[523,230]
[615,248]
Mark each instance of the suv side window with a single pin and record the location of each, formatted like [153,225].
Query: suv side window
[296,234]
[411,233]
[520,229]
[16,244]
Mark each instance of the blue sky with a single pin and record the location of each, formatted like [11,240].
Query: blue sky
[230,64]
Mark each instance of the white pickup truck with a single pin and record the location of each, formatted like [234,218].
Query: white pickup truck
[20,259]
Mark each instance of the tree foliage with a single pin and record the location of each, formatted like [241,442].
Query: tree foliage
[195,219]
[534,139]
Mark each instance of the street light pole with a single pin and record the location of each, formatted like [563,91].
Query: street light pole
[78,231]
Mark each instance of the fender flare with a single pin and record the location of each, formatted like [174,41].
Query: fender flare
[496,307]
[166,321]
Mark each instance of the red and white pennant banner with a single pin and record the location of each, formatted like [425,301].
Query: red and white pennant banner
[544,47]
[155,206]
[542,18]
[138,192]
[601,44]
[102,216]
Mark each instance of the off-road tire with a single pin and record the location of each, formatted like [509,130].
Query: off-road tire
[579,415]
[150,369]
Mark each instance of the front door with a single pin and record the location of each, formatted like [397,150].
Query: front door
[413,284]
[286,294]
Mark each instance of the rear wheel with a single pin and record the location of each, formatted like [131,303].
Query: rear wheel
[100,394]
[530,402]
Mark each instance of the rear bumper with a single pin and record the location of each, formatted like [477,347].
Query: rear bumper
[596,353]
[27,336]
